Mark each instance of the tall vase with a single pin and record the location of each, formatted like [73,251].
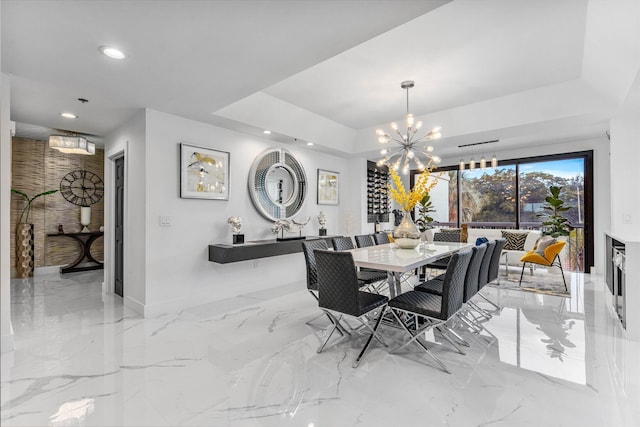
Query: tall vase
[85,218]
[406,235]
[24,250]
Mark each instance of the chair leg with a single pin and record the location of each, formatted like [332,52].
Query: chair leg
[463,318]
[366,325]
[335,326]
[324,343]
[446,337]
[522,273]
[489,301]
[373,334]
[481,311]
[456,335]
[415,337]
[557,258]
[506,266]
[308,322]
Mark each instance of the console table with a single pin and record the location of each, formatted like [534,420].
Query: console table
[226,253]
[84,240]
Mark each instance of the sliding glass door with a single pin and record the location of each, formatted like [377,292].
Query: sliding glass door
[513,194]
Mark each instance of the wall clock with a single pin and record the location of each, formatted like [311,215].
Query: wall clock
[82,188]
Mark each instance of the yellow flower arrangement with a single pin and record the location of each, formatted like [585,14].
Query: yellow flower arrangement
[408,200]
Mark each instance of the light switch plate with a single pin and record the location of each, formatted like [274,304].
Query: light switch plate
[165,221]
[626,218]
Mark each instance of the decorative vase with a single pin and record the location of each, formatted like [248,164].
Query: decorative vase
[24,250]
[85,218]
[406,235]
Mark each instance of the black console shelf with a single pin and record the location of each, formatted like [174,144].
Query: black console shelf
[227,253]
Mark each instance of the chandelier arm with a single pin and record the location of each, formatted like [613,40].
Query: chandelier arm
[424,138]
[401,142]
[399,134]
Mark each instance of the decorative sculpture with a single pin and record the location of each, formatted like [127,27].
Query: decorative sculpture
[236,225]
[322,220]
[290,226]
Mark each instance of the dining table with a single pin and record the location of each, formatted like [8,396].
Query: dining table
[396,261]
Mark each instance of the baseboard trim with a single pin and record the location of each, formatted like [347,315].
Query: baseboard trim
[134,305]
[155,310]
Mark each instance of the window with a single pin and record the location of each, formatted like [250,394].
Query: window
[535,180]
[488,197]
[511,196]
[444,199]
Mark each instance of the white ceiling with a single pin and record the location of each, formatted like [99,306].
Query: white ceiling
[485,69]
[188,58]
[461,53]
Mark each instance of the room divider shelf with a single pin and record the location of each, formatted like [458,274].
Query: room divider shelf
[377,193]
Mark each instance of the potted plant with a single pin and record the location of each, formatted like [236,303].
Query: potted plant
[555,225]
[24,235]
[424,220]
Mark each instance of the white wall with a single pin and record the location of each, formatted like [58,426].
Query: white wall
[178,273]
[168,268]
[6,331]
[601,196]
[129,140]
[625,196]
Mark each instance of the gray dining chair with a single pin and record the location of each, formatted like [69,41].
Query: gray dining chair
[340,294]
[432,311]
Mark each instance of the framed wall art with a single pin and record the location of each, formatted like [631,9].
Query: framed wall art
[328,187]
[204,173]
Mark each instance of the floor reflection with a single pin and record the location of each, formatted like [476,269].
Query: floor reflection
[82,358]
[538,333]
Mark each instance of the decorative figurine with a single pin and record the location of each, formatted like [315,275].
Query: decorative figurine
[236,225]
[322,220]
[290,226]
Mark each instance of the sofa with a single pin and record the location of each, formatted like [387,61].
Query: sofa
[510,257]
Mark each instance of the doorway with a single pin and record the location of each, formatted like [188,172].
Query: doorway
[119,227]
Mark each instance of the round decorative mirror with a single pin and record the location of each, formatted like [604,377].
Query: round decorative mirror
[277,184]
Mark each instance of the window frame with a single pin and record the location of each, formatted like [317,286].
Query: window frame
[587,157]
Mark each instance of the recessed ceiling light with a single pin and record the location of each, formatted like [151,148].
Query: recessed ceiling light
[112,52]
[266,132]
[69,115]
[309,143]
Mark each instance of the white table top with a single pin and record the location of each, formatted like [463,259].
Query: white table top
[390,258]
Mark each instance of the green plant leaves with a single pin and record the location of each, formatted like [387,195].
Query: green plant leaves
[27,208]
[425,207]
[555,225]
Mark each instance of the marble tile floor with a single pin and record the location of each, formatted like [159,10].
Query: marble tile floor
[82,359]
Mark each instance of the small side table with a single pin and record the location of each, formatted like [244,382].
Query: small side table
[85,240]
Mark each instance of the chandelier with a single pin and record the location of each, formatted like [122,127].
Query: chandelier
[72,144]
[410,148]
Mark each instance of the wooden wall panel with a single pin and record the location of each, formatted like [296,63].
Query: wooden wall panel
[37,168]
